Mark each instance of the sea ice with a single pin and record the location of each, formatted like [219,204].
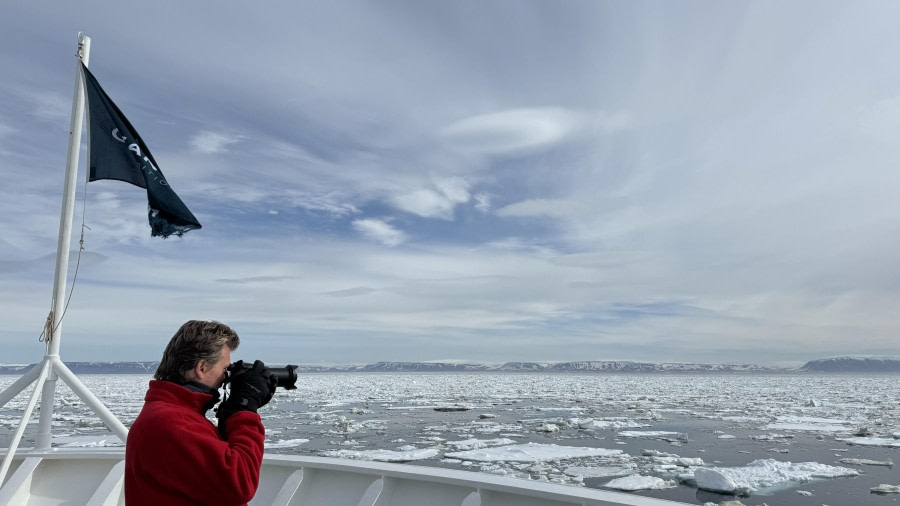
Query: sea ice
[286,443]
[871,441]
[679,461]
[532,452]
[548,427]
[383,455]
[764,473]
[582,423]
[646,433]
[867,462]
[884,488]
[638,482]
[742,419]
[657,453]
[589,423]
[598,471]
[811,424]
[474,444]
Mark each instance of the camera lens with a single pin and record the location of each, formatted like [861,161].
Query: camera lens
[286,377]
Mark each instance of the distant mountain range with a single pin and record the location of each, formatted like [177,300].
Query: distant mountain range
[825,365]
[853,364]
[579,366]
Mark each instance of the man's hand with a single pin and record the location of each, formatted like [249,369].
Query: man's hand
[251,389]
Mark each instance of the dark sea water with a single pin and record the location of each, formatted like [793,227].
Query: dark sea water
[725,420]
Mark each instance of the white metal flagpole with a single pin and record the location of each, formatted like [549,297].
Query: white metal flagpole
[54,333]
[68,206]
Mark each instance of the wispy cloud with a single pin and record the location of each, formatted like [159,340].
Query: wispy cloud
[256,279]
[380,231]
[211,143]
[557,208]
[351,292]
[437,201]
[513,131]
[49,106]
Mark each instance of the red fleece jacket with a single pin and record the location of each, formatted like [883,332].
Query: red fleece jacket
[174,456]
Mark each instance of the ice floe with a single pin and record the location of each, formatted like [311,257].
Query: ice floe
[647,433]
[679,461]
[531,452]
[885,488]
[871,441]
[811,424]
[867,462]
[383,455]
[764,473]
[474,444]
[286,443]
[599,471]
[608,423]
[638,482]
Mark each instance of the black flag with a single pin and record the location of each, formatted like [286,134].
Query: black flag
[117,152]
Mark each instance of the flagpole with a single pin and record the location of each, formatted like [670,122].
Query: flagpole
[56,368]
[53,332]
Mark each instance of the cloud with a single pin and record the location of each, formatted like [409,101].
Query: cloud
[330,203]
[577,208]
[256,279]
[537,207]
[438,201]
[513,131]
[210,143]
[50,106]
[380,231]
[482,202]
[351,292]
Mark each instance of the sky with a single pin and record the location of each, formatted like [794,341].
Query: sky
[482,181]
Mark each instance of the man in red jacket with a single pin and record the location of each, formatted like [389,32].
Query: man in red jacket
[174,454]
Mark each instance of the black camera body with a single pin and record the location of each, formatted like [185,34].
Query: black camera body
[285,377]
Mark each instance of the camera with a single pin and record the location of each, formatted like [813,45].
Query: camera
[285,377]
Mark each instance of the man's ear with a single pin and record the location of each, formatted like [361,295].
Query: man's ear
[199,370]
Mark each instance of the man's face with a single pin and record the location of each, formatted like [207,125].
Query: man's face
[214,377]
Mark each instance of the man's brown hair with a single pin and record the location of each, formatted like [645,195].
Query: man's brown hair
[196,341]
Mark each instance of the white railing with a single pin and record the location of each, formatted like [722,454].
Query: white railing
[94,477]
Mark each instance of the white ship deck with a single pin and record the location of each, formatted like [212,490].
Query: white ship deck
[94,477]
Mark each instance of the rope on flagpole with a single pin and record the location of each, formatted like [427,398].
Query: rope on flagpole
[47,333]
[44,335]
